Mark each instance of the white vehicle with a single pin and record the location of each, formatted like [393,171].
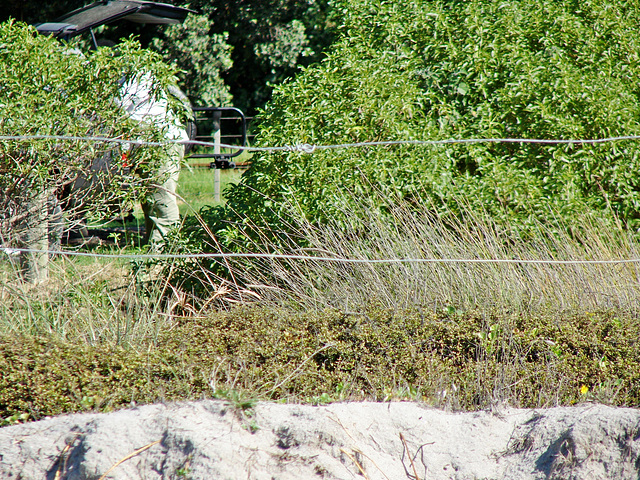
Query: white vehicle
[84,20]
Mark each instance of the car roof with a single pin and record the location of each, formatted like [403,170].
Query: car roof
[107,11]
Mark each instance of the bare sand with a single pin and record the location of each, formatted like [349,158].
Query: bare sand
[211,439]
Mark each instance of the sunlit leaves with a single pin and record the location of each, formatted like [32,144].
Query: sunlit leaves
[53,89]
[434,70]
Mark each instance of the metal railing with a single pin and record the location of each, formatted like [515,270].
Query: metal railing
[215,115]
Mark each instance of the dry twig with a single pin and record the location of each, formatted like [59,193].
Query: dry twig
[355,460]
[131,455]
[413,465]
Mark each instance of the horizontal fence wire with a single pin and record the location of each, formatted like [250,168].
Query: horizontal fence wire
[310,148]
[275,256]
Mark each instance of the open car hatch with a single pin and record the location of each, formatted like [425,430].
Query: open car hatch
[107,11]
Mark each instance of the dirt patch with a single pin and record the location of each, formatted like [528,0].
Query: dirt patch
[212,439]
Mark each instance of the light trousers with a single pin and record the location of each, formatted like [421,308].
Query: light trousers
[161,212]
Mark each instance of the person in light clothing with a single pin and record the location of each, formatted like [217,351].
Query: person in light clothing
[148,105]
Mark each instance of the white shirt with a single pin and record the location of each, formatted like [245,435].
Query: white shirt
[142,105]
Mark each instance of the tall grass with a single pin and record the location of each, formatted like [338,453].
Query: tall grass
[454,262]
[434,263]
[101,301]
[96,302]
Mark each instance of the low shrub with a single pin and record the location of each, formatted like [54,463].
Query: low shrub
[460,361]
[44,376]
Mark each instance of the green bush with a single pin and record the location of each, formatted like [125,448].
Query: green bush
[430,70]
[43,376]
[49,88]
[462,361]
[201,58]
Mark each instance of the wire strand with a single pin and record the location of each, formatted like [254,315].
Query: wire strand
[274,256]
[310,148]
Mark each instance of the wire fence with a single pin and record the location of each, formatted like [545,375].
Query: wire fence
[309,149]
[167,256]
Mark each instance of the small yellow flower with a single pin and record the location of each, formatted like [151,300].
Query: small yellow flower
[584,389]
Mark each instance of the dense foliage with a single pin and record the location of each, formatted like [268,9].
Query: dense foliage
[435,70]
[230,49]
[48,89]
[271,40]
[200,57]
[469,362]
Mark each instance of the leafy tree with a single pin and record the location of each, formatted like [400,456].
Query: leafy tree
[436,70]
[270,39]
[201,58]
[47,89]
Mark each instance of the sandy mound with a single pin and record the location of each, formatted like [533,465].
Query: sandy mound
[212,440]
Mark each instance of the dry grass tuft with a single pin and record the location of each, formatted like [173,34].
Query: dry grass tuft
[462,274]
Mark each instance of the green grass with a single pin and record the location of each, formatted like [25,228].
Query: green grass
[197,187]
